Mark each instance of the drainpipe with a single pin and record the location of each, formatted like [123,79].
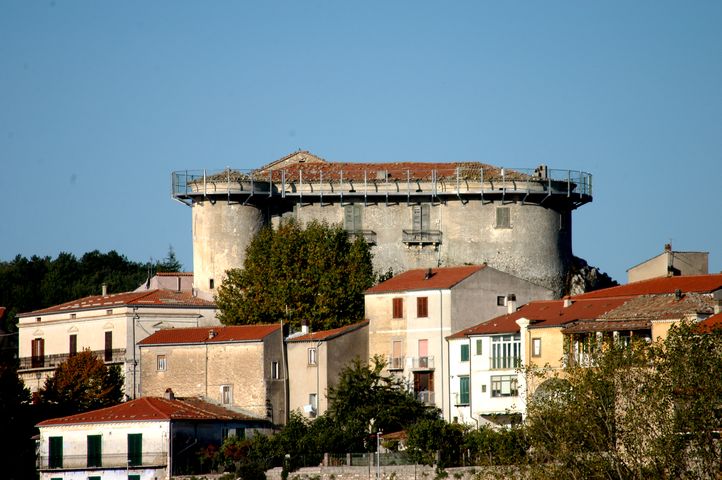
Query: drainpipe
[136,317]
[521,378]
[471,388]
[441,344]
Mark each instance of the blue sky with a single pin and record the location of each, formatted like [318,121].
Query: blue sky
[101,101]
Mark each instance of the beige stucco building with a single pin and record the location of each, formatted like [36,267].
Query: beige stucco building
[315,361]
[109,324]
[670,263]
[239,367]
[411,315]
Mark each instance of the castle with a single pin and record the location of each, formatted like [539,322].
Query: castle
[412,214]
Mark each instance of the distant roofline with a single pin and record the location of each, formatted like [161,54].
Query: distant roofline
[326,335]
[663,253]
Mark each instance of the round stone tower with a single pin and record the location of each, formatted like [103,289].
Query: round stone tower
[412,214]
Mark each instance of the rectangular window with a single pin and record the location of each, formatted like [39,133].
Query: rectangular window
[95,477]
[465,352]
[313,400]
[423,353]
[422,307]
[504,386]
[312,356]
[352,218]
[275,372]
[421,218]
[398,304]
[501,301]
[226,395]
[505,351]
[55,452]
[463,390]
[211,284]
[536,347]
[94,451]
[37,346]
[108,346]
[397,360]
[133,477]
[160,364]
[72,315]
[73,344]
[135,449]
[503,217]
[109,311]
[479,348]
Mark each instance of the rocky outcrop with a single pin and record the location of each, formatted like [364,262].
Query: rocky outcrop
[583,277]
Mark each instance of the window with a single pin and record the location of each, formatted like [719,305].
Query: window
[504,386]
[135,449]
[55,452]
[95,477]
[465,352]
[108,346]
[72,315]
[352,221]
[423,353]
[37,347]
[397,359]
[94,451]
[211,284]
[160,364]
[503,217]
[275,372]
[421,218]
[398,304]
[483,389]
[226,394]
[37,319]
[479,348]
[463,390]
[536,347]
[313,400]
[133,477]
[312,356]
[73,344]
[231,432]
[422,307]
[109,311]
[501,301]
[505,351]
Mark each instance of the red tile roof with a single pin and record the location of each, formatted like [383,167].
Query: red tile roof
[174,274]
[328,334]
[711,323]
[169,298]
[441,278]
[660,285]
[202,335]
[151,409]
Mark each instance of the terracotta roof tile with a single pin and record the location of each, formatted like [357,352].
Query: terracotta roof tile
[174,274]
[148,297]
[441,278]
[202,335]
[661,285]
[328,334]
[711,323]
[152,409]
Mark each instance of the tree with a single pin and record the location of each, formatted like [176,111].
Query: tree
[82,383]
[170,263]
[365,401]
[17,449]
[314,273]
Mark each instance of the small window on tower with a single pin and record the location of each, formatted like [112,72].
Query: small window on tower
[211,283]
[503,217]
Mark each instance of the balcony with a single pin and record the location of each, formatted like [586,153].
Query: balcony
[368,235]
[395,363]
[426,397]
[117,460]
[50,362]
[422,363]
[421,237]
[505,363]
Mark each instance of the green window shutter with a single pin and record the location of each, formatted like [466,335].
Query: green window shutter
[135,449]
[133,477]
[478,346]
[56,452]
[94,452]
[465,352]
[464,390]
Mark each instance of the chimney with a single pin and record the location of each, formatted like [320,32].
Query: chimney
[678,294]
[667,247]
[568,301]
[211,334]
[104,289]
[429,274]
[169,395]
[510,303]
[304,327]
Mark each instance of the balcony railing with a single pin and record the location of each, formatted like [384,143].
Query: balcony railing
[426,397]
[396,363]
[118,460]
[49,362]
[421,237]
[500,363]
[422,363]
[368,235]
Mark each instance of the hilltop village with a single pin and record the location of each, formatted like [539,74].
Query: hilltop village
[484,282]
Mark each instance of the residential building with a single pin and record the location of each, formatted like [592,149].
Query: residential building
[315,361]
[670,263]
[411,314]
[240,367]
[149,438]
[415,215]
[178,281]
[556,333]
[109,324]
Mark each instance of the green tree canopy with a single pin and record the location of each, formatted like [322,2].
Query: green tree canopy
[81,383]
[314,273]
